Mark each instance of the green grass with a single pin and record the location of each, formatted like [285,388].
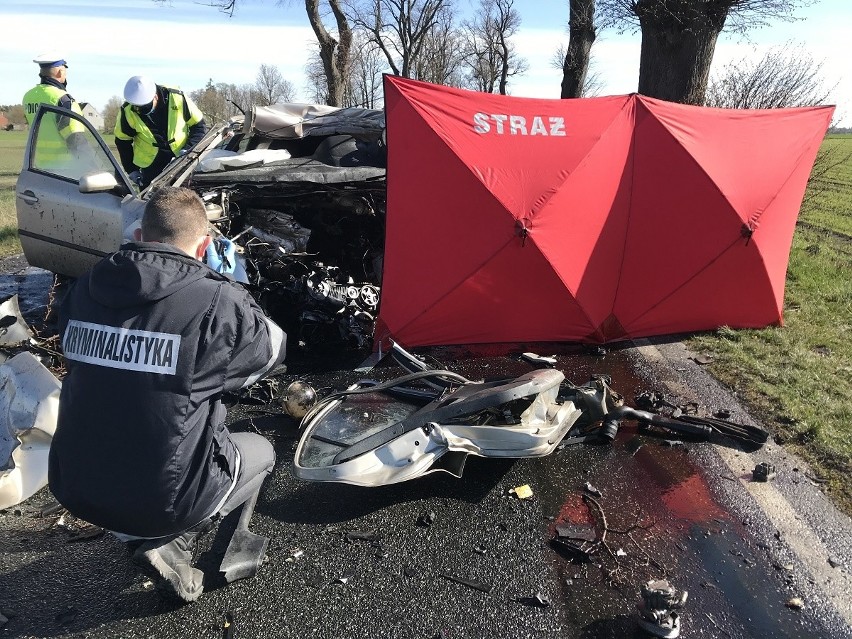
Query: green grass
[798,378]
[12,145]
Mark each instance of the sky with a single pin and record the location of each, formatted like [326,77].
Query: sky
[185,43]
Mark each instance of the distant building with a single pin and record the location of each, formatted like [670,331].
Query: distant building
[4,122]
[92,115]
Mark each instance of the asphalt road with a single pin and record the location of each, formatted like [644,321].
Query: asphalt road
[689,513]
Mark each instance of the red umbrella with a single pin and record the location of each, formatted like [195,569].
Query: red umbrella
[515,219]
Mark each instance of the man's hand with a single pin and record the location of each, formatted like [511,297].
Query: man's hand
[221,255]
[136,178]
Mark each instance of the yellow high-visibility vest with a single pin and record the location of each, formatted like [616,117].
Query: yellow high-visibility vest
[54,130]
[145,147]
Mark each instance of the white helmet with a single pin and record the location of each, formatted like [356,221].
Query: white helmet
[51,59]
[140,90]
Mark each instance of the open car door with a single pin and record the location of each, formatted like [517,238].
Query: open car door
[69,194]
[75,203]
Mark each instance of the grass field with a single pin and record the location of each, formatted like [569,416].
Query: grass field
[12,145]
[796,378]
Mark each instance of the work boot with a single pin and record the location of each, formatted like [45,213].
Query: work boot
[170,563]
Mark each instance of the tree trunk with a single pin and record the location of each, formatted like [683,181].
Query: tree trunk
[581,30]
[334,54]
[677,50]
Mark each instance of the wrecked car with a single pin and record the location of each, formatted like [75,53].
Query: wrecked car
[300,188]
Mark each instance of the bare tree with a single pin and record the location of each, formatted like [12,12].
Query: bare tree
[363,83]
[784,77]
[334,52]
[334,45]
[581,37]
[365,78]
[212,103]
[443,53]
[593,82]
[399,28]
[492,58]
[110,112]
[679,37]
[271,86]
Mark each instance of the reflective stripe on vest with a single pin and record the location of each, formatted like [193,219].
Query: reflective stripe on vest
[145,145]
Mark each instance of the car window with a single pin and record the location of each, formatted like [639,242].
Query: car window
[64,146]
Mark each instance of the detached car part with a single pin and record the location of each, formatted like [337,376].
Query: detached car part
[374,434]
[29,406]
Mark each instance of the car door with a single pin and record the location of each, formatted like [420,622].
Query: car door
[69,195]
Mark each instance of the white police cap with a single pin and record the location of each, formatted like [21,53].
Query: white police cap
[139,90]
[51,59]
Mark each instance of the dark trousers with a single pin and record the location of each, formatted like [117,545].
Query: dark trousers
[257,458]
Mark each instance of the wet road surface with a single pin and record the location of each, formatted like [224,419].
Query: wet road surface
[672,511]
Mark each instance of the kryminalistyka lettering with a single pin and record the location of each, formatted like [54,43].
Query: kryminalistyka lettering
[503,124]
[101,345]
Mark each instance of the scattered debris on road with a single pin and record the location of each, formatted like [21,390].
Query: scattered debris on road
[764,472]
[521,492]
[29,404]
[796,603]
[470,583]
[659,601]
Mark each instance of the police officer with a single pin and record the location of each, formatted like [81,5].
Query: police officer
[61,133]
[152,338]
[155,125]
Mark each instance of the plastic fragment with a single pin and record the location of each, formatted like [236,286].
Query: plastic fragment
[345,577]
[426,518]
[228,627]
[295,554]
[620,553]
[659,600]
[470,583]
[535,358]
[537,601]
[592,490]
[522,492]
[796,603]
[764,471]
[363,535]
[585,532]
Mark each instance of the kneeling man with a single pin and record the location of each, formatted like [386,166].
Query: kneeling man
[153,337]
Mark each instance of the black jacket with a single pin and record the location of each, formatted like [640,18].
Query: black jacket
[152,338]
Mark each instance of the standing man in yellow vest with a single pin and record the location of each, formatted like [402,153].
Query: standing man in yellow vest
[155,125]
[61,134]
